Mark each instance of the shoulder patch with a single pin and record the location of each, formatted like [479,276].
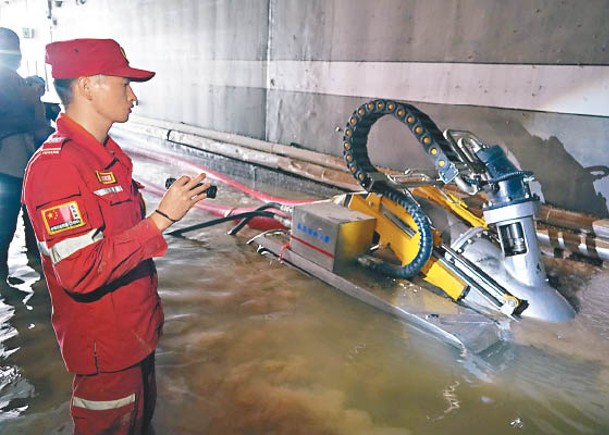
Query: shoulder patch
[62,217]
[53,145]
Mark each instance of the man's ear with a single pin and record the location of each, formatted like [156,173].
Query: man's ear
[83,87]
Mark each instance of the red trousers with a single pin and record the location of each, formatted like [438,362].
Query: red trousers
[115,403]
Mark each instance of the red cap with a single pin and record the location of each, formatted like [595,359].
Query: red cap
[89,57]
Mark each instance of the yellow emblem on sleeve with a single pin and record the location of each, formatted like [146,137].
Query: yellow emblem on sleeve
[105,177]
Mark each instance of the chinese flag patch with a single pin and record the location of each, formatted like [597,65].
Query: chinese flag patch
[62,217]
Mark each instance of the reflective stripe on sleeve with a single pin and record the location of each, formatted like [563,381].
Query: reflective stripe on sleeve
[102,405]
[43,248]
[67,247]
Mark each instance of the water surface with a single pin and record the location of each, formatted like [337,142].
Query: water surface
[251,346]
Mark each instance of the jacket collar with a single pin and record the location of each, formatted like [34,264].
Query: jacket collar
[107,153]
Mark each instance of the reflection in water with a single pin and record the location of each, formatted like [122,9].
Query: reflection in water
[254,347]
[13,386]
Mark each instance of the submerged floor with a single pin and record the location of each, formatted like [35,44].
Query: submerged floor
[253,347]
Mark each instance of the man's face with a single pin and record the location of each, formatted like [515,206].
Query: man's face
[112,97]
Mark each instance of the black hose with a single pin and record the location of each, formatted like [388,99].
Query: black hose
[245,215]
[515,174]
[234,230]
[425,243]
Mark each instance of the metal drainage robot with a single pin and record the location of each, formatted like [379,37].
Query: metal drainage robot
[508,275]
[411,227]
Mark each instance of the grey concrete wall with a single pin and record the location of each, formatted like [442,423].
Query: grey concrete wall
[181,40]
[532,75]
[481,31]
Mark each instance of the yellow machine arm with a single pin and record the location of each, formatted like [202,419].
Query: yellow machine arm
[395,228]
[450,202]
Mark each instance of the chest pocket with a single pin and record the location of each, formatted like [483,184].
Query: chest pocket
[119,207]
[113,195]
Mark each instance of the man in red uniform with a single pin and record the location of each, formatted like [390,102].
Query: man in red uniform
[96,244]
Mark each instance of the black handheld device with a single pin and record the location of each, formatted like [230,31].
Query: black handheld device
[211,191]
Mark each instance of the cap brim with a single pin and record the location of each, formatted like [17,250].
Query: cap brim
[133,74]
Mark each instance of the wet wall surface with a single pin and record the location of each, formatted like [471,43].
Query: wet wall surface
[568,154]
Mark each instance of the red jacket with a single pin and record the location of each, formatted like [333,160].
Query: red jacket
[96,249]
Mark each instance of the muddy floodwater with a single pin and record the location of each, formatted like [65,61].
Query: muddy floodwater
[251,346]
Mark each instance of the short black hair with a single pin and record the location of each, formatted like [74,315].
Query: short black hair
[63,87]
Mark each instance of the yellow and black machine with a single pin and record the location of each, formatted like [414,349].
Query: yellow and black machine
[477,273]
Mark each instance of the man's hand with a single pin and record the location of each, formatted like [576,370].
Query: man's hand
[181,196]
[37,83]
